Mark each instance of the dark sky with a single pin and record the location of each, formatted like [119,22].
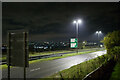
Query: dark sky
[48,21]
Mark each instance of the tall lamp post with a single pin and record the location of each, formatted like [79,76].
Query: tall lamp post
[98,33]
[77,22]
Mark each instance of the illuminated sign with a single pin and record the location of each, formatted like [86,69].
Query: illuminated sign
[73,43]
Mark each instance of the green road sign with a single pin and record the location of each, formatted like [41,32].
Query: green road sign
[73,43]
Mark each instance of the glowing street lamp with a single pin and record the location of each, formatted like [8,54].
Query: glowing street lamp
[77,22]
[98,33]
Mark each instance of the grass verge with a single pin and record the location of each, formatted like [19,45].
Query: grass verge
[60,51]
[40,53]
[63,56]
[3,58]
[47,53]
[81,70]
[116,73]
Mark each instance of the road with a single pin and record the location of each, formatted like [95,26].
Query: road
[47,68]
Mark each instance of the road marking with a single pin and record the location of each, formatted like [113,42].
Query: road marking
[34,69]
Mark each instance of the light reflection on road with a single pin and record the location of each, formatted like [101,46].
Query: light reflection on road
[47,68]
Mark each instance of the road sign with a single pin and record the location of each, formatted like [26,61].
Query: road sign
[18,49]
[73,43]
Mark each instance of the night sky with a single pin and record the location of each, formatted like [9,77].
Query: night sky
[48,21]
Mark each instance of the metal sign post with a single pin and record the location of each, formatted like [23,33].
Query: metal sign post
[8,57]
[26,55]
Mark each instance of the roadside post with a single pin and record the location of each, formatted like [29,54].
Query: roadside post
[17,54]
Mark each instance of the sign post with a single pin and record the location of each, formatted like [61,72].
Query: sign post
[8,58]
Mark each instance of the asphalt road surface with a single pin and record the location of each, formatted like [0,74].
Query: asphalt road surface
[47,68]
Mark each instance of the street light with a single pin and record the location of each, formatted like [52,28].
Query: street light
[77,22]
[98,33]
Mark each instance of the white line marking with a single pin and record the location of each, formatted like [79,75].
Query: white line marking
[34,69]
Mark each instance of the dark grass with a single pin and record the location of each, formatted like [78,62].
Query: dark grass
[81,70]
[116,73]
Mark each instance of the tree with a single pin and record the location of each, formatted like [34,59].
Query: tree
[112,42]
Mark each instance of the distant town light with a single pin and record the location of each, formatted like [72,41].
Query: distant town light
[83,41]
[101,45]
[95,43]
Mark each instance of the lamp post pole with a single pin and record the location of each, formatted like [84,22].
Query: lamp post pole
[77,34]
[76,30]
[98,39]
[77,22]
[98,33]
